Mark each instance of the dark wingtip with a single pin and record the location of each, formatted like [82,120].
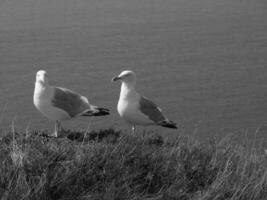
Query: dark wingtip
[102,113]
[173,126]
[98,112]
[168,124]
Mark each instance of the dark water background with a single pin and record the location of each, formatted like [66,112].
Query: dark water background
[203,61]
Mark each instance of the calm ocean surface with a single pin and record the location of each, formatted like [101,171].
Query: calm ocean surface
[204,62]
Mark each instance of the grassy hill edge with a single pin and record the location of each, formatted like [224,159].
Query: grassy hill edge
[110,164]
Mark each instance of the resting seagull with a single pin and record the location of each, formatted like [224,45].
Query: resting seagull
[60,104]
[136,109]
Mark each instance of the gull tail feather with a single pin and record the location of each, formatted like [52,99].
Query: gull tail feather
[96,111]
[167,124]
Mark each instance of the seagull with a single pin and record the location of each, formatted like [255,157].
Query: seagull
[136,109]
[58,104]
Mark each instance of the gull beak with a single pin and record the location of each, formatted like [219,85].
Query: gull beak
[116,78]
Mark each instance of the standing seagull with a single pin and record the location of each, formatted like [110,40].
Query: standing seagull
[60,104]
[136,109]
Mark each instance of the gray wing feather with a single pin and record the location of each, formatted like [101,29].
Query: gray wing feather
[70,101]
[148,108]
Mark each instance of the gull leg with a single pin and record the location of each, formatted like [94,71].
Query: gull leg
[56,128]
[133,129]
[59,127]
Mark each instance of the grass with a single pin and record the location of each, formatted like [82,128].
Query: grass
[109,165]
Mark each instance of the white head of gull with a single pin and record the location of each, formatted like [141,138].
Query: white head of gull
[58,104]
[136,109]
